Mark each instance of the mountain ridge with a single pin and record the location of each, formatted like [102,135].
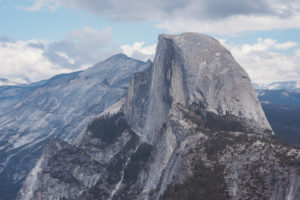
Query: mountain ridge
[167,142]
[61,106]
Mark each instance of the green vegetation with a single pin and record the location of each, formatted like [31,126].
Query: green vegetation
[209,120]
[117,164]
[137,162]
[206,183]
[108,128]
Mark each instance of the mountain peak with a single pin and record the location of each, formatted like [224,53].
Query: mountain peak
[193,68]
[64,104]
[118,62]
[195,41]
[118,56]
[189,36]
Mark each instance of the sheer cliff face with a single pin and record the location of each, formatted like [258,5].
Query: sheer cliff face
[191,68]
[190,128]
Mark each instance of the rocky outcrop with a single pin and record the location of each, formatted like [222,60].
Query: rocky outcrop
[92,170]
[61,165]
[191,127]
[191,68]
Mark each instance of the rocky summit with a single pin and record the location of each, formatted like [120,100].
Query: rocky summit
[191,127]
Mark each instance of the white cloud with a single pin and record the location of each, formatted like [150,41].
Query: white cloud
[196,9]
[231,25]
[20,61]
[39,59]
[296,59]
[139,51]
[83,47]
[89,36]
[286,45]
[264,64]
[38,5]
[65,56]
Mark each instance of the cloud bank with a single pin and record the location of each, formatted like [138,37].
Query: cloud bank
[34,60]
[139,51]
[211,16]
[264,61]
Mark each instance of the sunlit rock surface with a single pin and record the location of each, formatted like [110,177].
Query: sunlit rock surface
[191,127]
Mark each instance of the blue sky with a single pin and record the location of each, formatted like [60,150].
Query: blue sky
[21,24]
[41,38]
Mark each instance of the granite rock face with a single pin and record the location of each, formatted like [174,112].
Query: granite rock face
[192,68]
[60,107]
[91,170]
[191,127]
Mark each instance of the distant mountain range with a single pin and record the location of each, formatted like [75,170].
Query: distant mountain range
[60,107]
[288,97]
[283,85]
[282,108]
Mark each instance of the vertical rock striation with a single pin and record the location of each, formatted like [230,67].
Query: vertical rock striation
[191,68]
[191,127]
